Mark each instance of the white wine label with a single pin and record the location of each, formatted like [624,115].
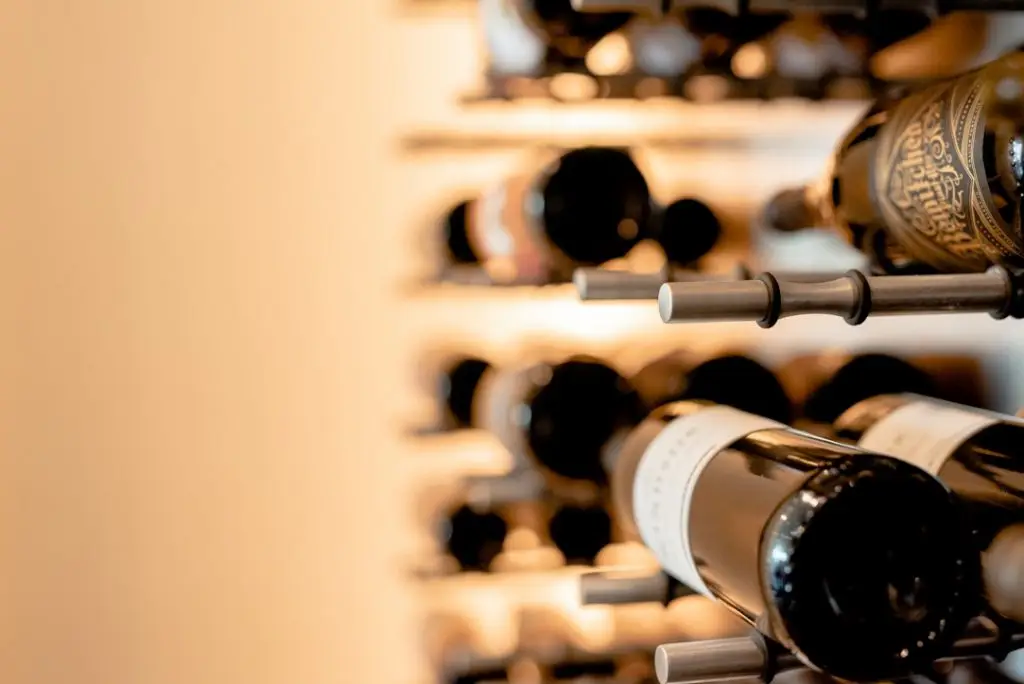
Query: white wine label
[667,475]
[927,431]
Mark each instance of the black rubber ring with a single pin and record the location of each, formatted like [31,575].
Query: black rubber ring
[862,307]
[1014,306]
[767,652]
[774,312]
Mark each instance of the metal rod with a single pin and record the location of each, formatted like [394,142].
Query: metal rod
[725,659]
[618,588]
[853,296]
[650,7]
[716,660]
[857,7]
[485,492]
[598,284]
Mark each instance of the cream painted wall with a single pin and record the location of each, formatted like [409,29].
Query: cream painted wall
[195,343]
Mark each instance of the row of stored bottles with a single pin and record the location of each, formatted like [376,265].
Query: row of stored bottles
[922,185]
[852,519]
[926,183]
[715,51]
[563,424]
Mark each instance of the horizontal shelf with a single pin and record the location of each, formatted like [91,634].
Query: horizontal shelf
[572,85]
[504,315]
[790,125]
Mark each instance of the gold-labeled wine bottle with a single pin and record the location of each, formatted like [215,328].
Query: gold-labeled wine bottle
[929,182]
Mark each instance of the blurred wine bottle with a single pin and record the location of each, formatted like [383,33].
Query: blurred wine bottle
[523,36]
[558,416]
[586,207]
[580,532]
[850,547]
[803,48]
[570,418]
[666,47]
[951,45]
[826,385]
[474,538]
[929,182]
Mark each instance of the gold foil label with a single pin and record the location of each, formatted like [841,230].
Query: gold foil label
[930,182]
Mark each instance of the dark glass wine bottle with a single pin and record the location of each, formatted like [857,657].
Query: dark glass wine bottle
[859,563]
[558,416]
[456,388]
[730,380]
[474,538]
[978,454]
[580,532]
[862,377]
[588,206]
[932,181]
[686,230]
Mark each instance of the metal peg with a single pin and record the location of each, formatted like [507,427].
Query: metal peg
[618,588]
[853,296]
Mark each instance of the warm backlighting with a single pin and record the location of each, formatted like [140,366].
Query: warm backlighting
[610,56]
[633,555]
[750,61]
[458,453]
[650,87]
[707,88]
[628,229]
[573,87]
[696,617]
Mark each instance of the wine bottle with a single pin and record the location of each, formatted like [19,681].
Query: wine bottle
[858,378]
[523,35]
[580,532]
[558,416]
[456,388]
[686,230]
[932,181]
[730,380]
[818,545]
[979,454]
[474,538]
[831,384]
[665,48]
[588,206]
[803,48]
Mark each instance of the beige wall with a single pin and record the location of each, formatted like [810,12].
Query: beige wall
[192,331]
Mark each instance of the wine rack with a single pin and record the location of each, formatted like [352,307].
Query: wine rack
[516,609]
